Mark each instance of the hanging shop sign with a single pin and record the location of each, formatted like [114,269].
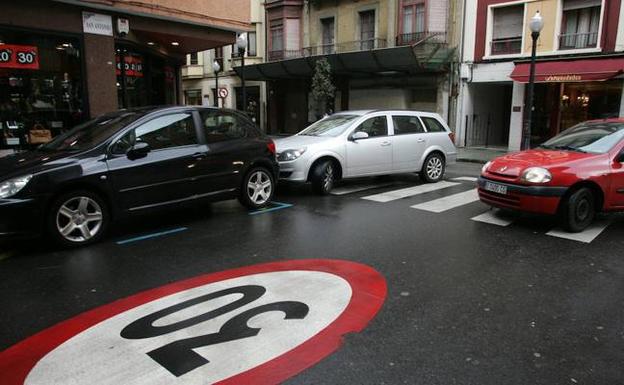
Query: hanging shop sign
[97,24]
[133,65]
[19,56]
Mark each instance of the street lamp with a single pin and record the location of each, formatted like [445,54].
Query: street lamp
[535,25]
[241,44]
[216,68]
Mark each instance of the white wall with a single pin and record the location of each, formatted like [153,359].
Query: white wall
[515,124]
[378,98]
[492,72]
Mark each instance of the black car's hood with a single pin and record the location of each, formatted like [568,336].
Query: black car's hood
[33,162]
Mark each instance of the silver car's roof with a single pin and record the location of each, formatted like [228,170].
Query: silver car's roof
[387,110]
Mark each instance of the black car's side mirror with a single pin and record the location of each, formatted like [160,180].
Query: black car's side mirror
[139,150]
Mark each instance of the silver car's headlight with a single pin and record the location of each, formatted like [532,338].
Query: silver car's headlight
[485,167]
[13,186]
[536,175]
[288,155]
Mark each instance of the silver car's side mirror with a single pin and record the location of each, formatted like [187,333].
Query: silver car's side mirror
[359,135]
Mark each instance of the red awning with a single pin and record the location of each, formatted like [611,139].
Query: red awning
[570,71]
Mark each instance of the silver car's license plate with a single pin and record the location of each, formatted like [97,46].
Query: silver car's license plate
[497,188]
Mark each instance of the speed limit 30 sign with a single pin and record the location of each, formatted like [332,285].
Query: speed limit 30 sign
[259,324]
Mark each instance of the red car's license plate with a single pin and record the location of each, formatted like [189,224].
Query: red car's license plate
[497,188]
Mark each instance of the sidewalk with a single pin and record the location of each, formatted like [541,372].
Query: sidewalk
[479,154]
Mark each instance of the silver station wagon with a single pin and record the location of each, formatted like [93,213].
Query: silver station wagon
[352,144]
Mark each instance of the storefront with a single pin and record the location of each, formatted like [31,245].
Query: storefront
[572,91]
[41,85]
[62,63]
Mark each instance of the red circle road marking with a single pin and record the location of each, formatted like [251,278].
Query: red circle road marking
[368,295]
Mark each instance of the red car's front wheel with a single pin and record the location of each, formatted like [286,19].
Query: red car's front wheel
[578,210]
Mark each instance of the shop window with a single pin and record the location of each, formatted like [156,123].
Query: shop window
[507,26]
[412,19]
[407,125]
[367,30]
[41,87]
[580,23]
[220,126]
[193,97]
[328,32]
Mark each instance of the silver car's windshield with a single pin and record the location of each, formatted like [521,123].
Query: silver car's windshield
[596,138]
[330,126]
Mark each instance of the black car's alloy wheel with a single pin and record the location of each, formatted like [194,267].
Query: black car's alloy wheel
[78,218]
[258,188]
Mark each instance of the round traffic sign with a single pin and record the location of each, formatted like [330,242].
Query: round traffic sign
[223,92]
[259,324]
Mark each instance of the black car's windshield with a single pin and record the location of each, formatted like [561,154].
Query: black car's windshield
[91,133]
[593,137]
[330,126]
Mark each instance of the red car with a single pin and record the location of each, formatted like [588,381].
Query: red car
[574,175]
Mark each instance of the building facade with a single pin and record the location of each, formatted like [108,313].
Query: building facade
[382,53]
[64,61]
[199,81]
[579,64]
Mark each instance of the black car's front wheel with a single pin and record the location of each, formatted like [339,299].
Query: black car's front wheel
[258,188]
[578,210]
[78,218]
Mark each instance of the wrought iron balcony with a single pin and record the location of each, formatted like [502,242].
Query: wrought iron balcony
[578,40]
[328,49]
[506,46]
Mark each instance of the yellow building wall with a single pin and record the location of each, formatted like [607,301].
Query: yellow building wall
[346,19]
[548,10]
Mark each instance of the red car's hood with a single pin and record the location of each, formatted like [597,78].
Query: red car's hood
[514,164]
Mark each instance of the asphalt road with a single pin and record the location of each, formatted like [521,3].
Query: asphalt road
[468,302]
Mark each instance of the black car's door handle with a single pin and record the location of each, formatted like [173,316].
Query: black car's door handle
[199,155]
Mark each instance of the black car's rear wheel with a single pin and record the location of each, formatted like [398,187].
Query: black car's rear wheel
[258,188]
[78,218]
[578,210]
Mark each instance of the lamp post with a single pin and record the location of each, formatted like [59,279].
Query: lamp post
[241,44]
[535,25]
[216,68]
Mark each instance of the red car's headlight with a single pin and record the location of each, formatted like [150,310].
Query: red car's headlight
[536,175]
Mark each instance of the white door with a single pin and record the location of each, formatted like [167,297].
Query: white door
[372,155]
[409,142]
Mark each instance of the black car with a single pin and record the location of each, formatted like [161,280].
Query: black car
[133,161]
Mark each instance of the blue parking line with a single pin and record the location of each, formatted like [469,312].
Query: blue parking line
[279,206]
[153,235]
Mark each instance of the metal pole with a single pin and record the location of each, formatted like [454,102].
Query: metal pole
[242,53]
[528,109]
[216,99]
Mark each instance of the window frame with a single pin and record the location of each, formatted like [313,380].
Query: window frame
[418,118]
[249,125]
[422,119]
[366,118]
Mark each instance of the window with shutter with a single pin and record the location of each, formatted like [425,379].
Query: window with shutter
[507,27]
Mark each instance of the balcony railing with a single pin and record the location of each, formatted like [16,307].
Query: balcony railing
[578,40]
[506,46]
[417,37]
[327,49]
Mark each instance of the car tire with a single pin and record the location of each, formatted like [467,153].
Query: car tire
[578,210]
[433,168]
[323,177]
[78,218]
[258,188]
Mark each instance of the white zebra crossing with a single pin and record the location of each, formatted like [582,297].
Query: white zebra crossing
[449,202]
[585,236]
[494,217]
[465,178]
[409,191]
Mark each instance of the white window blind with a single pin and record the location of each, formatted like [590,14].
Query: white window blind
[508,22]
[293,37]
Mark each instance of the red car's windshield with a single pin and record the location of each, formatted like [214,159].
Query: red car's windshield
[594,137]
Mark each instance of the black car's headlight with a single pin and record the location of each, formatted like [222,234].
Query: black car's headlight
[288,155]
[12,186]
